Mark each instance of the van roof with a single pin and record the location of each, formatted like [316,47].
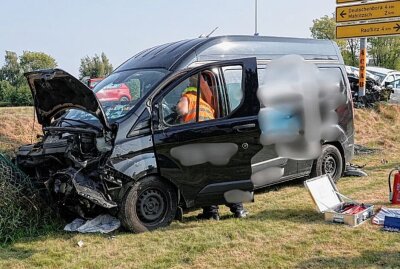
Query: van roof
[178,55]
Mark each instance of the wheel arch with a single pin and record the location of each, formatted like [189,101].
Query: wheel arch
[128,186]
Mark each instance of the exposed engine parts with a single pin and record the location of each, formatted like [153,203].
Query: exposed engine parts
[72,166]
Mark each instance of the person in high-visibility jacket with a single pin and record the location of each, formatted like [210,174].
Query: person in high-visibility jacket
[187,108]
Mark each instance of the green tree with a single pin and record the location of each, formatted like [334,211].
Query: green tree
[31,60]
[385,52]
[14,88]
[11,70]
[325,28]
[95,67]
[352,51]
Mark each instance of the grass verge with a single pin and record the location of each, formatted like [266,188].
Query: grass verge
[282,231]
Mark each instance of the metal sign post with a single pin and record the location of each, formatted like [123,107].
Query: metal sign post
[255,19]
[363,67]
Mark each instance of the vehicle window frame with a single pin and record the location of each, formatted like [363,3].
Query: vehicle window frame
[223,93]
[174,84]
[242,86]
[216,80]
[397,79]
[170,89]
[390,76]
[346,86]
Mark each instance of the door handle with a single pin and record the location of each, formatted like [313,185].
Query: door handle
[245,127]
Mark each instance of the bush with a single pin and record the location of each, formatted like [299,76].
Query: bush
[15,96]
[20,96]
[5,88]
[5,104]
[22,211]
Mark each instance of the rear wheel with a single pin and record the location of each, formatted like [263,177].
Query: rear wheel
[124,99]
[150,204]
[329,162]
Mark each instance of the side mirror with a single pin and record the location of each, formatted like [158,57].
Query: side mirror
[389,86]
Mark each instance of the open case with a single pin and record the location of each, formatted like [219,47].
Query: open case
[333,204]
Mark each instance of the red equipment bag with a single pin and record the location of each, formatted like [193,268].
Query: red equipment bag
[394,194]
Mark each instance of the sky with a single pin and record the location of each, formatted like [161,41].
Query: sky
[69,30]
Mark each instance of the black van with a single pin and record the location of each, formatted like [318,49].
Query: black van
[137,160]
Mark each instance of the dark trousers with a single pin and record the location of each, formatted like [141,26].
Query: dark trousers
[212,209]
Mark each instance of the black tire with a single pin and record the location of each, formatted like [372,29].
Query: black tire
[330,162]
[150,204]
[124,99]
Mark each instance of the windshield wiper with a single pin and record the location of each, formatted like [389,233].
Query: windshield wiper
[79,121]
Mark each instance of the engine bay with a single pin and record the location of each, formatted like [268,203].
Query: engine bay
[69,166]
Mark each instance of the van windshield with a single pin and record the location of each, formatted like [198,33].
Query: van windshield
[120,92]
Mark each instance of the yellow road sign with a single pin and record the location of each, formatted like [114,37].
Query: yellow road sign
[370,11]
[346,1]
[368,29]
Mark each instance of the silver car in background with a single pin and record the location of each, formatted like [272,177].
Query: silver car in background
[387,78]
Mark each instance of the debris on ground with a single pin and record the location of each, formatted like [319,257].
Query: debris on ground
[379,218]
[360,150]
[353,170]
[80,243]
[101,224]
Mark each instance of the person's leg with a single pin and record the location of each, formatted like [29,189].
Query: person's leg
[238,210]
[209,212]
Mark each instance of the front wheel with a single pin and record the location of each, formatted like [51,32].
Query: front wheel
[329,162]
[150,204]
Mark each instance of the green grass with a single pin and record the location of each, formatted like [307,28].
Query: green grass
[283,230]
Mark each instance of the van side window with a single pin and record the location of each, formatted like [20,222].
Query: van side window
[193,100]
[234,87]
[337,74]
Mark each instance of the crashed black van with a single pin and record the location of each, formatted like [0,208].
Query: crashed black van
[135,159]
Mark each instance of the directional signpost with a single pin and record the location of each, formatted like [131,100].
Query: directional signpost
[346,1]
[370,11]
[368,19]
[369,29]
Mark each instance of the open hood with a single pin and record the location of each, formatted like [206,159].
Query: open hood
[55,90]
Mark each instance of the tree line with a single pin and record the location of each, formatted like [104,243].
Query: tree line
[382,51]
[14,89]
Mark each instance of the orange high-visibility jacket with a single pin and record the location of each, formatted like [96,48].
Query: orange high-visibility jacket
[206,112]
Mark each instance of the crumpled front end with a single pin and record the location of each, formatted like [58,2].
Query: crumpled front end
[69,165]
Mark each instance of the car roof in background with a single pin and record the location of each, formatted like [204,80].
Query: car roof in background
[352,70]
[381,70]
